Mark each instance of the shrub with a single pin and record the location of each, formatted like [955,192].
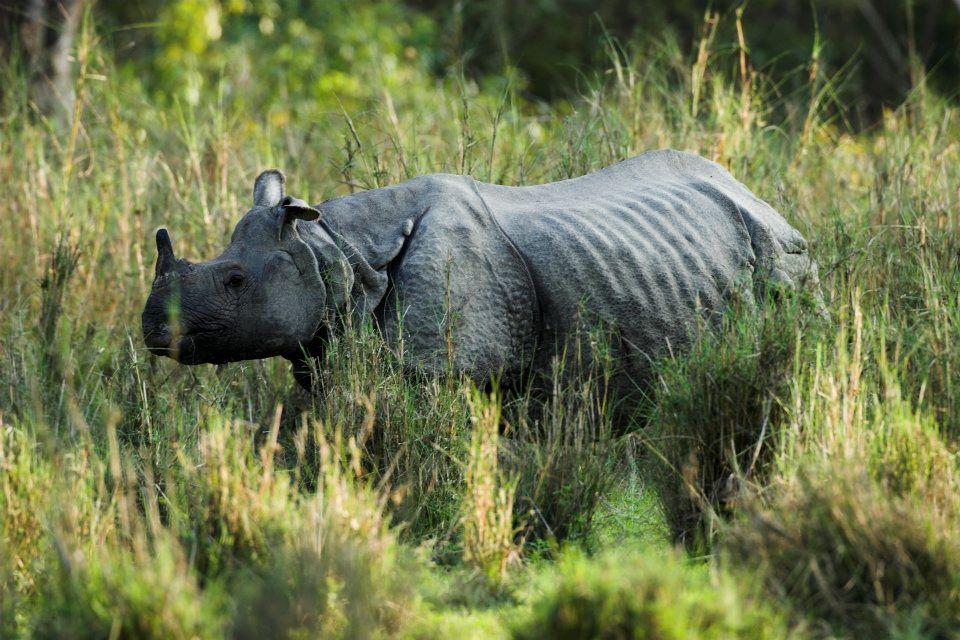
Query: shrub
[340,591]
[907,455]
[859,558]
[717,416]
[625,596]
[147,592]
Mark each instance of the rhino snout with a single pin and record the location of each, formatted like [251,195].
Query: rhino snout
[158,334]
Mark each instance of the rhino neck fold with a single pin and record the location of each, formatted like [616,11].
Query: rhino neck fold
[372,228]
[369,284]
[376,223]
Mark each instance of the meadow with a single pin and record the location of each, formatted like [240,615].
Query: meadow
[790,476]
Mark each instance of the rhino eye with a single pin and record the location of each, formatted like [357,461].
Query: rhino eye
[235,280]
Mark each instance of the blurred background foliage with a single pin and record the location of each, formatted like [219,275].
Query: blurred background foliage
[552,41]
[319,53]
[270,49]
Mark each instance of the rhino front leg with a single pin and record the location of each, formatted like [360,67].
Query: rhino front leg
[306,370]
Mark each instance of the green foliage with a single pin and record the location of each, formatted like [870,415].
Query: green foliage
[619,595]
[881,49]
[312,56]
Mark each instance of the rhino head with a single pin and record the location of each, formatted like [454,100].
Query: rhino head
[274,291]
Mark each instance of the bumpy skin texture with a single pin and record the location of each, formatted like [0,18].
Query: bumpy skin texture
[491,280]
[458,290]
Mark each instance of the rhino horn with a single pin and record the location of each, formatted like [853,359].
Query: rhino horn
[166,261]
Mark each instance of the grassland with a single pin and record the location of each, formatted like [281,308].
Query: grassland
[794,476]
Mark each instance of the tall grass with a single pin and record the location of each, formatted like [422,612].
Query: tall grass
[858,524]
[488,535]
[414,434]
[816,457]
[565,445]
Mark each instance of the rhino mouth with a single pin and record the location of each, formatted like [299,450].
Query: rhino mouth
[184,348]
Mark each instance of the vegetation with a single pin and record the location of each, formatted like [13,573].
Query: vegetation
[808,463]
[621,595]
[716,422]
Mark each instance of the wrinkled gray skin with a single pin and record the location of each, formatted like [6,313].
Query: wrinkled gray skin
[501,274]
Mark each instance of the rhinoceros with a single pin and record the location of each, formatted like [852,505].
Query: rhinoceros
[488,279]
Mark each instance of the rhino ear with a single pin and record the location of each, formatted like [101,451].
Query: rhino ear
[297,209]
[289,211]
[268,189]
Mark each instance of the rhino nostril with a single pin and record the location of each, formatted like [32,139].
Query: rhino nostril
[158,337]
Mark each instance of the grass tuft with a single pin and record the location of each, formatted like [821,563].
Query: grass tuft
[487,521]
[146,592]
[301,593]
